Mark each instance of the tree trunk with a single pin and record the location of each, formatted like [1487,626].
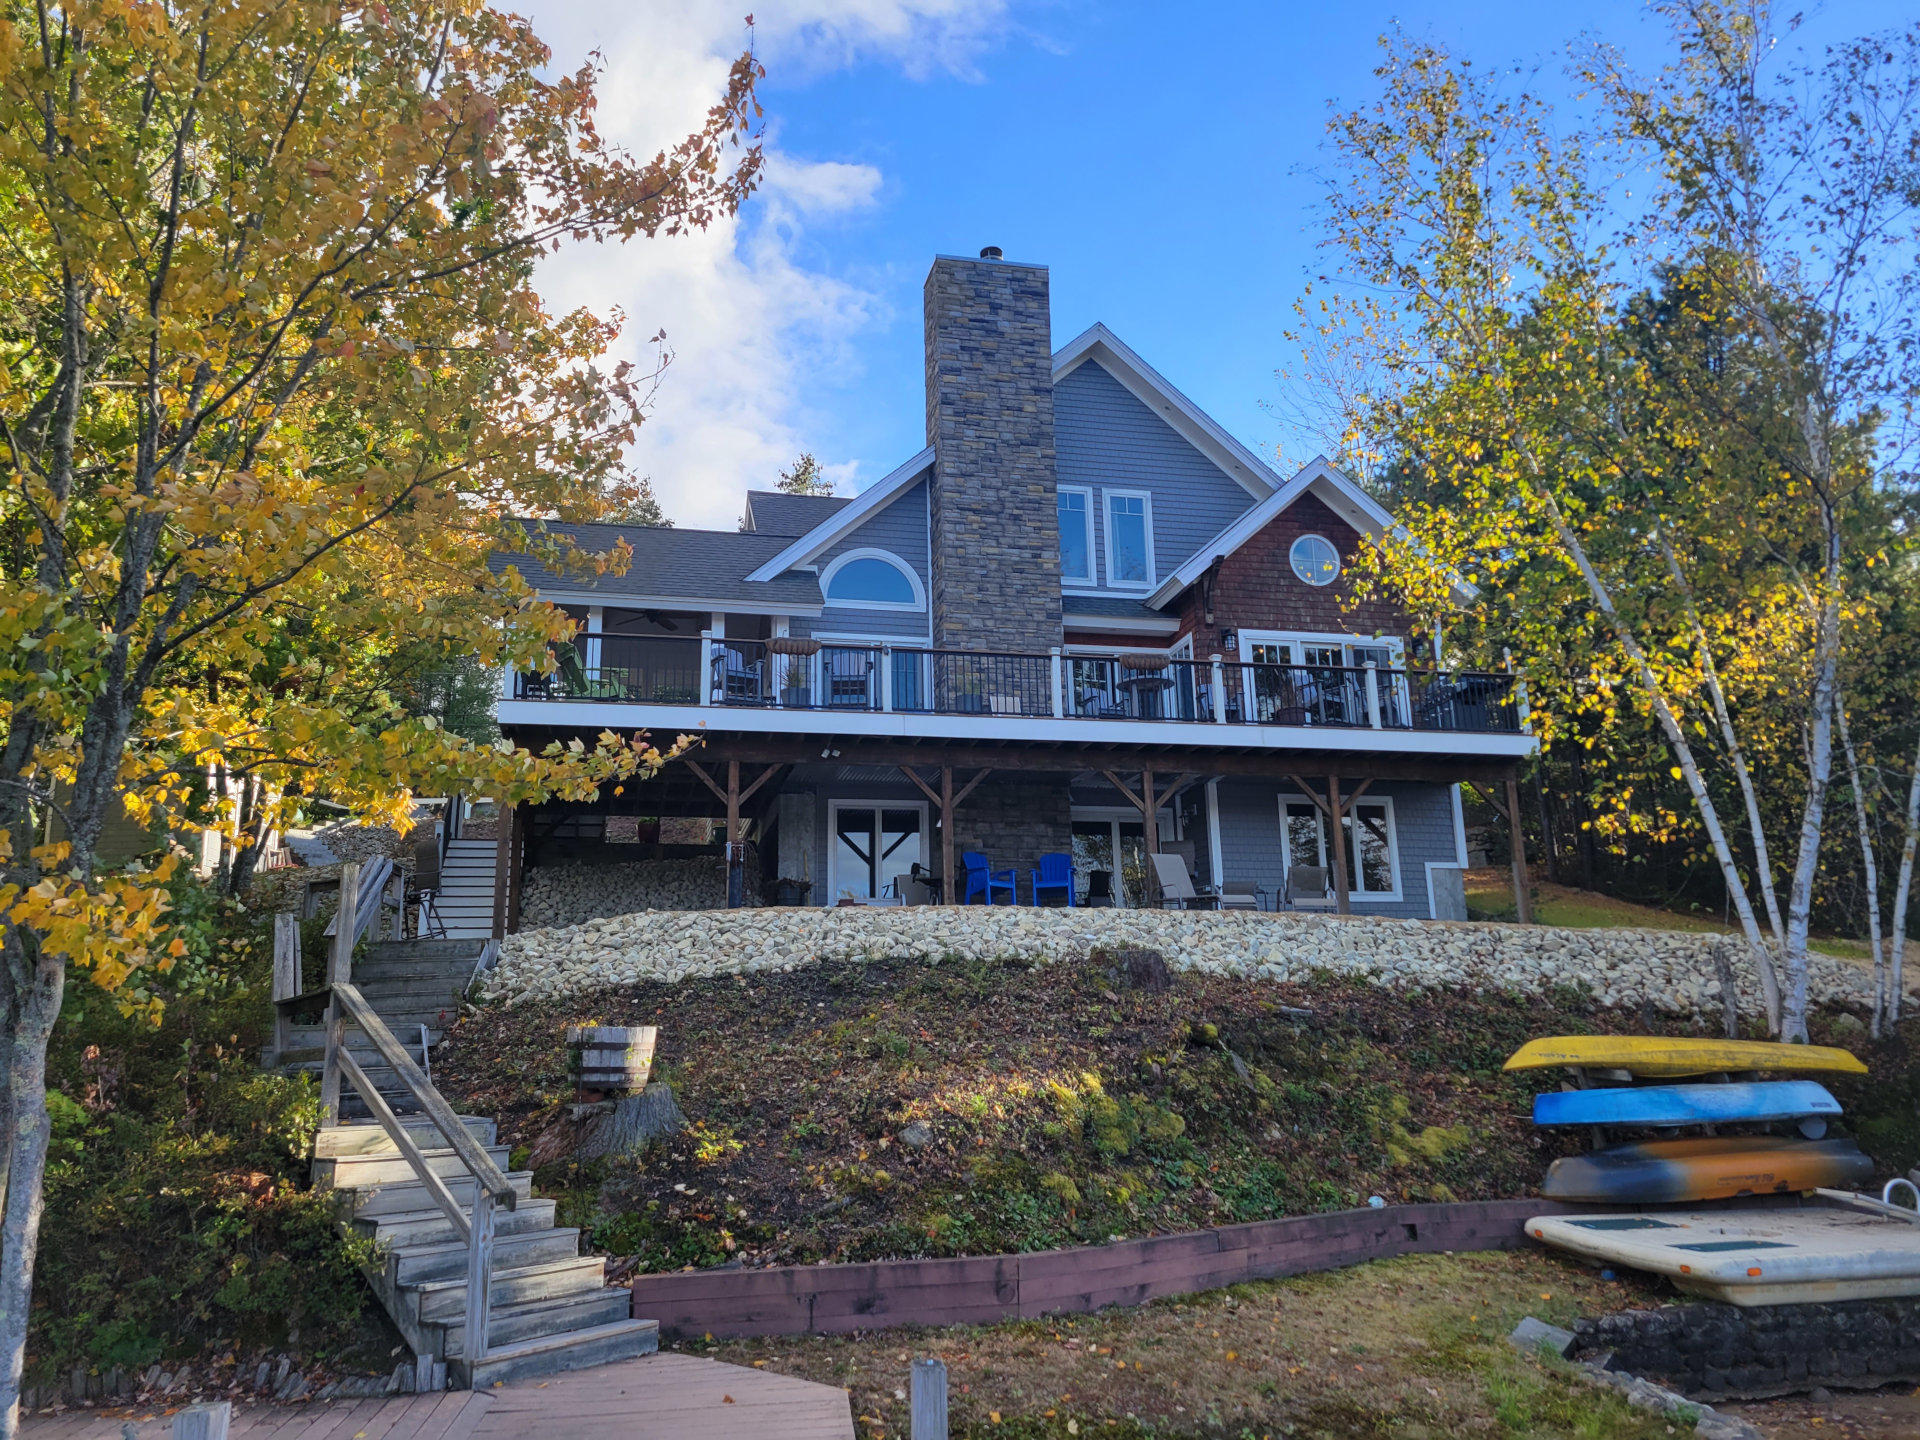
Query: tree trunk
[1902,888]
[1812,819]
[40,981]
[1872,871]
[1683,752]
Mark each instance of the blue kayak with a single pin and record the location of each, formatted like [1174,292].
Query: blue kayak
[1686,1104]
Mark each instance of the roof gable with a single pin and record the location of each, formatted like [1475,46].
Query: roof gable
[674,567]
[1160,396]
[1340,494]
[775,512]
[868,503]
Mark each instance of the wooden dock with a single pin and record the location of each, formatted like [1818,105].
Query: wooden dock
[657,1397]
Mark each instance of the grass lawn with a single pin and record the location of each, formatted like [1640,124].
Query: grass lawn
[1412,1349]
[1490,897]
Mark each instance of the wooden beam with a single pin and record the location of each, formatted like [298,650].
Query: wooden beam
[1522,889]
[967,789]
[1488,796]
[947,893]
[502,865]
[1126,790]
[1311,794]
[1342,901]
[933,796]
[765,775]
[707,780]
[1036,755]
[733,804]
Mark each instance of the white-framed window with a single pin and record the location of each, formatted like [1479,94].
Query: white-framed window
[1076,535]
[1315,559]
[1130,539]
[869,579]
[872,844]
[1373,860]
[1307,678]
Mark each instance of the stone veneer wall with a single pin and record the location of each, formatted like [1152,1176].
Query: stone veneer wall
[570,894]
[1013,823]
[996,533]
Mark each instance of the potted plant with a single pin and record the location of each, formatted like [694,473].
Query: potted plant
[795,691]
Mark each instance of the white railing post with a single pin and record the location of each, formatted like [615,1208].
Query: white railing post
[1373,694]
[1059,697]
[706,667]
[1219,689]
[479,1274]
[886,679]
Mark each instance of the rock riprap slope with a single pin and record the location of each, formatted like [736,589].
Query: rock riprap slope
[1675,973]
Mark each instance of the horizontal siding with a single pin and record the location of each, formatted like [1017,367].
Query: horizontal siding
[1251,847]
[901,528]
[1106,438]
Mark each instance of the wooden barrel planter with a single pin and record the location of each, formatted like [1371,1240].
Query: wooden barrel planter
[610,1057]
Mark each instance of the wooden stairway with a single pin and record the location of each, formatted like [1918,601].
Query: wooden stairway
[548,1310]
[470,1266]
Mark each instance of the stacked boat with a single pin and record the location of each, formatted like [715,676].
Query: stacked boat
[1854,1248]
[1701,1166]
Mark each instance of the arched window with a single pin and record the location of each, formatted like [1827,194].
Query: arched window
[873,580]
[1315,560]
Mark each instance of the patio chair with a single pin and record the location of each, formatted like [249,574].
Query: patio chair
[1099,890]
[741,680]
[1055,873]
[983,879]
[1309,887]
[1241,895]
[1176,885]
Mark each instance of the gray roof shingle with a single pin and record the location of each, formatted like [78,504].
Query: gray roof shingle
[671,566]
[1120,606]
[775,512]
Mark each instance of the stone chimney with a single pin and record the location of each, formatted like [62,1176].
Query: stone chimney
[996,532]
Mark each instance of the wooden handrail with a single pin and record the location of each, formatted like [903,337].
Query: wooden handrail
[486,1174]
[396,1132]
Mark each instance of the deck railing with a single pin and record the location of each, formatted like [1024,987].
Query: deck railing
[910,679]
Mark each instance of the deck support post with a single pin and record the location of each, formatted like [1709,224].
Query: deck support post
[1522,896]
[736,852]
[1337,842]
[947,891]
[1149,812]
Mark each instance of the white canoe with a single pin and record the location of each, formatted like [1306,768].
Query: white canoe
[1752,1257]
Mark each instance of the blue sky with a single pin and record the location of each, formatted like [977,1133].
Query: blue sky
[1159,158]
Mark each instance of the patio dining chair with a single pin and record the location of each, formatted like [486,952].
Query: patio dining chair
[1309,887]
[1241,895]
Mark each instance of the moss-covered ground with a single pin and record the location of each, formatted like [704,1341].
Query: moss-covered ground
[1061,1108]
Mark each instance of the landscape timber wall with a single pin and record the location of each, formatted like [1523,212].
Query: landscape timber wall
[984,1290]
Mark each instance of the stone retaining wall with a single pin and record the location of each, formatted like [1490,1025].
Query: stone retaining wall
[1674,973]
[568,895]
[1715,1352]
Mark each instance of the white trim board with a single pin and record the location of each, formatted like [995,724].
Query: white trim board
[1152,389]
[862,507]
[592,716]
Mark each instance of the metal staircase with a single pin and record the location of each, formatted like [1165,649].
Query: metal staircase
[473,1270]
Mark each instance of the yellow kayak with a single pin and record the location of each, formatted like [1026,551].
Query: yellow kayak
[1663,1057]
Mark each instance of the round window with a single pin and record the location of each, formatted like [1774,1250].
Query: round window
[1315,560]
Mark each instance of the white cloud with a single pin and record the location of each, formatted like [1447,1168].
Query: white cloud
[750,325]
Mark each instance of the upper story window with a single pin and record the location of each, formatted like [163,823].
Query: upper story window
[1129,538]
[1315,560]
[873,580]
[1076,535]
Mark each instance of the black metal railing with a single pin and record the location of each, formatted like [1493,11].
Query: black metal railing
[808,675]
[656,670]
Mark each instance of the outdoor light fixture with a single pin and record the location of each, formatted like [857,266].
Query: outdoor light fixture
[1230,640]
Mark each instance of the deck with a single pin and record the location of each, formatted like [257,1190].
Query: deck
[658,1397]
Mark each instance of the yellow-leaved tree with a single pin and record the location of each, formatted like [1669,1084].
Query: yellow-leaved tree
[274,383]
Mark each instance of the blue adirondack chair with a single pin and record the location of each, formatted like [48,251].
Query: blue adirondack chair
[1055,873]
[983,879]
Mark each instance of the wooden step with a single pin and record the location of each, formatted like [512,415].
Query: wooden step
[362,1172]
[411,1264]
[333,1141]
[447,1299]
[403,1228]
[577,1350]
[540,1319]
[408,1195]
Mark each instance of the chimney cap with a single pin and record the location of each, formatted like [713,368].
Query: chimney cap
[991,252]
